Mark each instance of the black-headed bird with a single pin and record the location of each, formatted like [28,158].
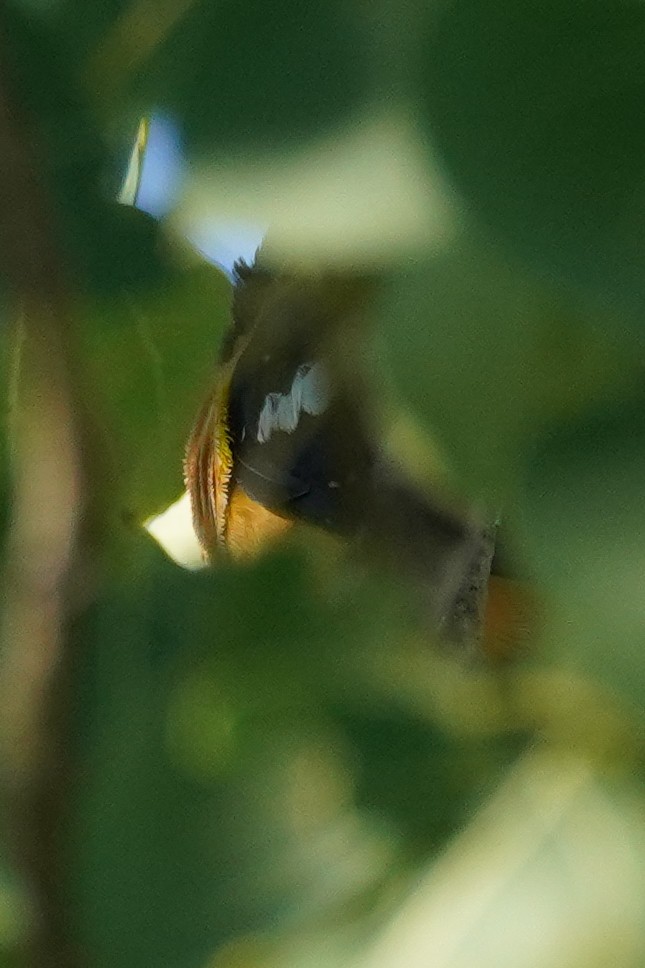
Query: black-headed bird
[288,435]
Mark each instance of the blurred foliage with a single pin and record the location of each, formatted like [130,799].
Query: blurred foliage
[589,470]
[539,111]
[275,768]
[304,75]
[473,311]
[151,355]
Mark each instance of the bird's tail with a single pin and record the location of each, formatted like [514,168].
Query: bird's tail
[511,618]
[447,555]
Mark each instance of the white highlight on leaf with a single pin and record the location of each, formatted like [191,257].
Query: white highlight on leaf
[173,531]
[309,393]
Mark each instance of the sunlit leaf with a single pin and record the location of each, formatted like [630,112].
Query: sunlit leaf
[548,875]
[131,182]
[360,196]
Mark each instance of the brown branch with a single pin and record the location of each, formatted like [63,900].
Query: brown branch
[45,559]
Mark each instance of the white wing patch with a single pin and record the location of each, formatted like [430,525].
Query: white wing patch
[309,393]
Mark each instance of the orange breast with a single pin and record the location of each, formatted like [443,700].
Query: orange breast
[512,618]
[250,527]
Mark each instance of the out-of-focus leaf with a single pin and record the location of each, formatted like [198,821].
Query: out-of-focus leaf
[11,345]
[230,744]
[585,521]
[170,862]
[251,75]
[103,246]
[66,139]
[14,918]
[153,357]
[399,751]
[549,875]
[363,196]
[119,250]
[487,353]
[538,111]
[71,19]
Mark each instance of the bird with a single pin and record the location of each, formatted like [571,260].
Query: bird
[289,436]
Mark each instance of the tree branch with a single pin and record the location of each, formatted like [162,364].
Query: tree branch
[46,560]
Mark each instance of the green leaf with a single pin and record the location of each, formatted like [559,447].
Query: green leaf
[486,353]
[168,862]
[584,517]
[537,110]
[546,875]
[249,75]
[81,27]
[119,251]
[102,246]
[233,758]
[153,358]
